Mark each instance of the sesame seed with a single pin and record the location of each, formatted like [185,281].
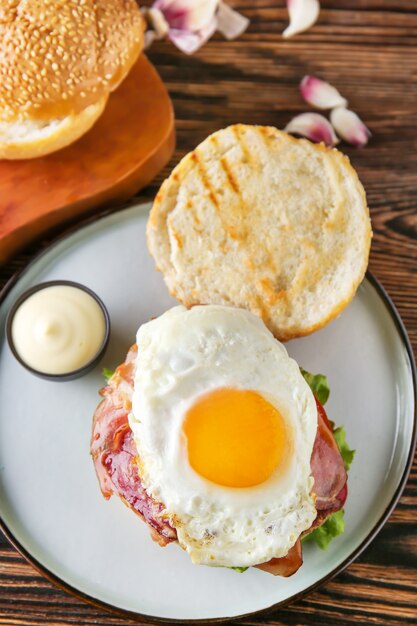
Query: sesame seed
[83,44]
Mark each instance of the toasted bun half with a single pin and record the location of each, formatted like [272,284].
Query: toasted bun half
[257,219]
[59,60]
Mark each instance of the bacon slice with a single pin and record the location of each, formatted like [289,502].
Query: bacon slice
[115,455]
[287,565]
[327,466]
[115,458]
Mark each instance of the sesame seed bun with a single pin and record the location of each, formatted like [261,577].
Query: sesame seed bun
[257,219]
[59,60]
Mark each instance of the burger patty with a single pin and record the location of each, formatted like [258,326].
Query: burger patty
[115,459]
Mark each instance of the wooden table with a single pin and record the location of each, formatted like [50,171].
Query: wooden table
[368,49]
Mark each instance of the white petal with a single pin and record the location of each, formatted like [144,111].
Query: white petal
[313,126]
[303,14]
[349,126]
[149,38]
[320,94]
[229,22]
[158,23]
[202,14]
[189,42]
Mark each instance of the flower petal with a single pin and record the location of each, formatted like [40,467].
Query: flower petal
[349,126]
[190,23]
[158,23]
[149,38]
[229,22]
[191,15]
[313,126]
[320,94]
[303,14]
[188,41]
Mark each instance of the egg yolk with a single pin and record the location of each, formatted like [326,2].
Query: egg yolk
[235,437]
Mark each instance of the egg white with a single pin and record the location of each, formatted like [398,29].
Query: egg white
[182,355]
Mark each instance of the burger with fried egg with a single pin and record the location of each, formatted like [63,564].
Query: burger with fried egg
[211,433]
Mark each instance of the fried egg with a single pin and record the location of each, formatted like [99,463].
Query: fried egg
[224,424]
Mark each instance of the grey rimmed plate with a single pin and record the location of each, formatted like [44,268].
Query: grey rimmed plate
[50,501]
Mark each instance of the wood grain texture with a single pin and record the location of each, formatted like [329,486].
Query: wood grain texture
[368,49]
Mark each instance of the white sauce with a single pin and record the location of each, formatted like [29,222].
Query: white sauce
[58,329]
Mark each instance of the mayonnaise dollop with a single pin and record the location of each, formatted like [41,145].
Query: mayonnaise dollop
[58,329]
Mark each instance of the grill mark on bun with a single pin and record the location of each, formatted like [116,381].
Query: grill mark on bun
[229,175]
[205,179]
[236,130]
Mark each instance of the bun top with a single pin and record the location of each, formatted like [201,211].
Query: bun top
[257,219]
[59,56]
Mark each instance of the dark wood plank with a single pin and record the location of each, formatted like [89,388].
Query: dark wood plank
[367,48]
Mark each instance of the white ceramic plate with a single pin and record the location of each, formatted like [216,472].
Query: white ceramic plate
[51,505]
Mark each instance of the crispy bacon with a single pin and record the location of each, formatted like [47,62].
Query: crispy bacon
[115,458]
[115,455]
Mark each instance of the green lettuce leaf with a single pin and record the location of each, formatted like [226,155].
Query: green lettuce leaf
[107,373]
[239,569]
[347,453]
[318,385]
[331,528]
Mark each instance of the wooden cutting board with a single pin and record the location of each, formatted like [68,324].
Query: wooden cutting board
[123,152]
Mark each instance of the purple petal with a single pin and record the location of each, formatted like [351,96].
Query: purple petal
[320,94]
[190,15]
[188,41]
[313,126]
